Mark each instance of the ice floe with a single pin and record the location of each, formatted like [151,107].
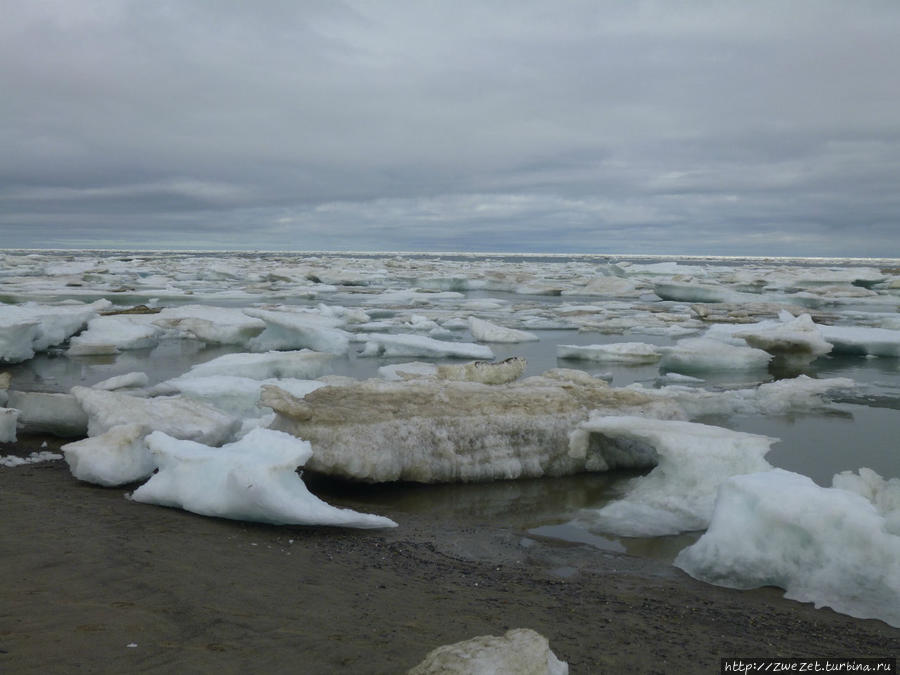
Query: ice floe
[112,334]
[693,355]
[690,462]
[828,546]
[8,419]
[252,479]
[418,346]
[619,352]
[49,413]
[289,330]
[794,339]
[485,331]
[303,364]
[444,431]
[115,457]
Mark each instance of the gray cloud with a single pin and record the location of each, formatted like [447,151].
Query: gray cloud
[731,128]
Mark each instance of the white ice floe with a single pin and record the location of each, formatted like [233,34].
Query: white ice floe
[419,346]
[288,330]
[799,394]
[252,479]
[521,651]
[431,431]
[30,327]
[177,416]
[828,546]
[303,364]
[704,354]
[485,331]
[884,494]
[49,413]
[863,340]
[619,352]
[691,460]
[126,381]
[8,419]
[793,339]
[33,458]
[112,334]
[683,291]
[116,457]
[213,325]
[610,287]
[238,396]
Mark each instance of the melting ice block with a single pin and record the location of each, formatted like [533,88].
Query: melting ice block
[30,327]
[521,651]
[702,354]
[433,431]
[691,460]
[115,457]
[253,479]
[295,330]
[214,325]
[301,364]
[619,352]
[863,340]
[56,414]
[485,331]
[176,415]
[405,346]
[112,334]
[794,339]
[827,546]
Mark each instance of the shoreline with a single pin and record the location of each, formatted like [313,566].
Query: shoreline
[88,574]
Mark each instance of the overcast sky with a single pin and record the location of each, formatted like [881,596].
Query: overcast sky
[694,127]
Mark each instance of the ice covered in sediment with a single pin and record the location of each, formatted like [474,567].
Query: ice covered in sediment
[434,431]
[691,459]
[132,380]
[407,371]
[703,354]
[112,334]
[237,396]
[828,546]
[49,413]
[115,457]
[251,479]
[32,458]
[883,494]
[791,338]
[618,352]
[8,419]
[303,364]
[521,651]
[484,372]
[799,394]
[862,340]
[405,346]
[288,330]
[213,325]
[177,415]
[485,331]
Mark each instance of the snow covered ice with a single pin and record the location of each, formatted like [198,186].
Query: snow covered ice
[251,479]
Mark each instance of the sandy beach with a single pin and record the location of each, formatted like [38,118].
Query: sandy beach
[94,583]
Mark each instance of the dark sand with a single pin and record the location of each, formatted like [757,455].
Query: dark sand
[87,573]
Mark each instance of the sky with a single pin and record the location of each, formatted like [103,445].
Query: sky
[666,127]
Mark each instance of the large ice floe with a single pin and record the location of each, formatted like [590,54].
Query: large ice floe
[828,546]
[693,355]
[433,431]
[419,346]
[31,327]
[520,651]
[690,462]
[254,479]
[619,352]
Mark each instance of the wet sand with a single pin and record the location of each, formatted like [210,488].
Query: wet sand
[93,583]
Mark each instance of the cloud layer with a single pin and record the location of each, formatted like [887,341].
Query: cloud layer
[650,127]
